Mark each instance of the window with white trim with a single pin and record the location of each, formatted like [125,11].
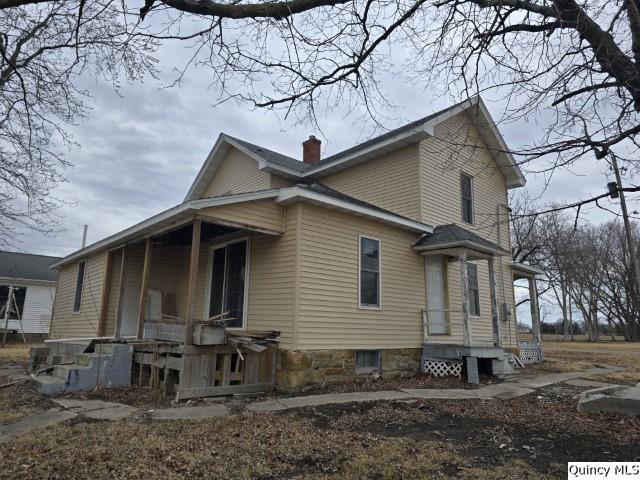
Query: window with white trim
[466,192]
[77,301]
[369,272]
[474,293]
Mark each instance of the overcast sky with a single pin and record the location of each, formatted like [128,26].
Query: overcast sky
[141,147]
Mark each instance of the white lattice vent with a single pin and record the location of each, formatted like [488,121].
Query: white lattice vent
[530,355]
[441,368]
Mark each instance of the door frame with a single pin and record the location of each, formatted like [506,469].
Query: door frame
[445,293]
[207,293]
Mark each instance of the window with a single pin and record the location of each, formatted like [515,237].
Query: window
[474,293]
[19,294]
[228,281]
[368,360]
[369,272]
[466,190]
[79,285]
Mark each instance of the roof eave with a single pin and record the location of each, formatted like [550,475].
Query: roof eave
[290,195]
[172,216]
[467,244]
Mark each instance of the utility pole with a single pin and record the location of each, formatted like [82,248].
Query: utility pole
[627,225]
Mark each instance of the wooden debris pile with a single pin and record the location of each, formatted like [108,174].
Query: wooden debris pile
[252,340]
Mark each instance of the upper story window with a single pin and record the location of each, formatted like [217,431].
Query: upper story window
[474,292]
[79,285]
[466,191]
[369,273]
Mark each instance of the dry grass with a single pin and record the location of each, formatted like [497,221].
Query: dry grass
[19,401]
[246,446]
[14,353]
[584,345]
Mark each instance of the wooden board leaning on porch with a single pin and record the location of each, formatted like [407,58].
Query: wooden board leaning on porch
[220,370]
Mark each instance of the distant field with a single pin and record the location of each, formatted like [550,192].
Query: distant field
[577,338]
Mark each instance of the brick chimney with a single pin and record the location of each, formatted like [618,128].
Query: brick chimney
[311,150]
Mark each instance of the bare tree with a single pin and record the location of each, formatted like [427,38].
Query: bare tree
[43,50]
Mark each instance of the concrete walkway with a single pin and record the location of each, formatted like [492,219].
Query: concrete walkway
[99,410]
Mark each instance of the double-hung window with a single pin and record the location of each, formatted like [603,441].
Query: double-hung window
[369,273]
[466,191]
[228,281]
[474,293]
[77,301]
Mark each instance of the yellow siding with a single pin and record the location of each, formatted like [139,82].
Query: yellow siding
[260,213]
[66,323]
[279,182]
[390,182]
[237,173]
[112,294]
[458,147]
[329,316]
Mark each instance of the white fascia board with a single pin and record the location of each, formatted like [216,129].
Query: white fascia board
[26,282]
[207,166]
[463,244]
[292,194]
[523,267]
[170,214]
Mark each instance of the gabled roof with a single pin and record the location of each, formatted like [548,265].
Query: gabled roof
[25,266]
[408,134]
[454,236]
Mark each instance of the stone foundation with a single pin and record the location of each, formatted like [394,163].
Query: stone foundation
[299,369]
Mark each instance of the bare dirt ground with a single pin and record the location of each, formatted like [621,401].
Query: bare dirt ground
[529,437]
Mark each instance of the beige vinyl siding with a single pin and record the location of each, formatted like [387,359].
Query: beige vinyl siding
[456,147]
[259,213]
[329,316]
[280,182]
[66,323]
[237,173]
[112,293]
[390,182]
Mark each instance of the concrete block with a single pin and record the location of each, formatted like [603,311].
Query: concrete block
[611,399]
[473,377]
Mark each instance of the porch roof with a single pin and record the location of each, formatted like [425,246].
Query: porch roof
[452,237]
[522,270]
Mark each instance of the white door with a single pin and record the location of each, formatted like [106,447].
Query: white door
[130,298]
[436,299]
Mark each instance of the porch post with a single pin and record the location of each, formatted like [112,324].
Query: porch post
[144,287]
[535,310]
[464,283]
[117,329]
[106,291]
[193,277]
[497,334]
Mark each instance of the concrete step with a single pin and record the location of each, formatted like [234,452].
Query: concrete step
[88,359]
[48,385]
[65,371]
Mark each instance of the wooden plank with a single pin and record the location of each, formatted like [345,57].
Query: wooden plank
[497,334]
[225,369]
[173,332]
[208,335]
[193,278]
[144,286]
[184,394]
[120,294]
[464,284]
[104,308]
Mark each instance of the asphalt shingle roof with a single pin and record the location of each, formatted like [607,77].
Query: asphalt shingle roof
[451,234]
[290,162]
[27,266]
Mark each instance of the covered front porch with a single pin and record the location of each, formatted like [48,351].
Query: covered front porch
[458,331]
[530,351]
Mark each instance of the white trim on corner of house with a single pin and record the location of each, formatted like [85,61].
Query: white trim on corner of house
[360,305]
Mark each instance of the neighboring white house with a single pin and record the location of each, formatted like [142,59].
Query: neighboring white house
[34,285]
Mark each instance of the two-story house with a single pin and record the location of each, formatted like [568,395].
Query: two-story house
[391,256]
